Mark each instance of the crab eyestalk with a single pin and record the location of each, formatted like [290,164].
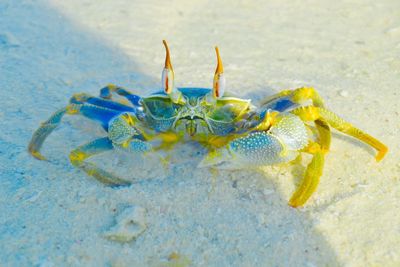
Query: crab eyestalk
[167,77]
[219,79]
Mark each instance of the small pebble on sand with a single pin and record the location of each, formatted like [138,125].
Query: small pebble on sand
[129,225]
[343,93]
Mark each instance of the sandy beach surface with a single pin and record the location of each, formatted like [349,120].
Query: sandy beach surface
[52,214]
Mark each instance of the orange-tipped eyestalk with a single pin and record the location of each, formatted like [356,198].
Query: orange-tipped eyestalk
[168,64]
[219,79]
[220,67]
[167,77]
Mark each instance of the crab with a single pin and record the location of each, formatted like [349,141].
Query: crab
[235,132]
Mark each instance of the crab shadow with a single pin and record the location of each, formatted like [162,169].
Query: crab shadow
[219,219]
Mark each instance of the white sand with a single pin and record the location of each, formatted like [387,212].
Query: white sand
[55,215]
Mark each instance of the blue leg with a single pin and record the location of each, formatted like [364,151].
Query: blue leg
[101,114]
[43,131]
[100,102]
[107,91]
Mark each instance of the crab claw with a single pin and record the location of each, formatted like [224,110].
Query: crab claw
[255,149]
[280,143]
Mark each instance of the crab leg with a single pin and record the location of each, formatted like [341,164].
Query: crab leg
[324,132]
[43,131]
[314,169]
[323,118]
[107,91]
[90,111]
[100,102]
[80,154]
[311,113]
[290,98]
[311,176]
[122,134]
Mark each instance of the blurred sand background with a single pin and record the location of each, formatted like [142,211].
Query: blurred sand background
[54,215]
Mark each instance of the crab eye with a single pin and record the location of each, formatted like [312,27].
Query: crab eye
[219,79]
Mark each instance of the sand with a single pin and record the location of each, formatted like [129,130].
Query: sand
[54,215]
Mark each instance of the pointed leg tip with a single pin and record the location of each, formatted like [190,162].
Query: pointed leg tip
[297,201]
[37,155]
[381,154]
[294,203]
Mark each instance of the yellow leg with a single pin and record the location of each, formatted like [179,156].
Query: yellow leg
[324,132]
[314,169]
[298,96]
[311,177]
[80,154]
[311,113]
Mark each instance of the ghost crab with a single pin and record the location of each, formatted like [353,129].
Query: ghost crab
[236,132]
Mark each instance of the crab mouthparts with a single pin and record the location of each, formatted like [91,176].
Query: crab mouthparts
[191,127]
[191,123]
